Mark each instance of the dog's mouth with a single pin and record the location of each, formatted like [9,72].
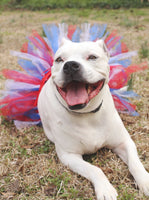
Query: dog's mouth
[78,94]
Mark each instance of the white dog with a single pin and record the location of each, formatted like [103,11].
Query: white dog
[79,116]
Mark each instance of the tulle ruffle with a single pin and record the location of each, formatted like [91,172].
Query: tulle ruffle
[22,88]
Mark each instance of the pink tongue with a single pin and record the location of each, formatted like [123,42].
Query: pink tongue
[76,94]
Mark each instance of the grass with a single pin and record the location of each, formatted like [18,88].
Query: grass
[1,37]
[29,166]
[52,4]
[144,50]
[127,22]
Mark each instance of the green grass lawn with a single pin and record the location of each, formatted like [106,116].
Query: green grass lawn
[52,4]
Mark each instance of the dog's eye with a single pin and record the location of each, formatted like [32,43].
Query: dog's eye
[59,59]
[92,57]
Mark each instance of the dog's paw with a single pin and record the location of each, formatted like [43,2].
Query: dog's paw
[144,184]
[106,192]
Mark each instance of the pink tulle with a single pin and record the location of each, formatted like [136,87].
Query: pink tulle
[118,77]
[71,30]
[19,76]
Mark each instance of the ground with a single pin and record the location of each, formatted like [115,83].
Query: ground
[29,167]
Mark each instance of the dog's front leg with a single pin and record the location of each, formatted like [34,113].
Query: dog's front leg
[128,153]
[104,190]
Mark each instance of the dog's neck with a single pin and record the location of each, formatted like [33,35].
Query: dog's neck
[97,109]
[93,111]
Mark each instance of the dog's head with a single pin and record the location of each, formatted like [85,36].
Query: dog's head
[79,74]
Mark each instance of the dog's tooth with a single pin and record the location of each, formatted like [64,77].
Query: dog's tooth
[89,89]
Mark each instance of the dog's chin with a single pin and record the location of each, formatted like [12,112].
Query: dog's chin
[78,107]
[78,94]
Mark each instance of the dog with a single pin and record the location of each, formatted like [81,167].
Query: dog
[78,115]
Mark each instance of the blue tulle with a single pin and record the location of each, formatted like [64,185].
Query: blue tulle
[124,93]
[76,35]
[97,31]
[38,63]
[21,87]
[125,63]
[129,110]
[30,68]
[123,58]
[52,33]
[32,114]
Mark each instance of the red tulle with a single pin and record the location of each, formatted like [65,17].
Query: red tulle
[24,95]
[39,43]
[120,106]
[17,106]
[35,34]
[71,30]
[135,68]
[124,48]
[24,47]
[118,77]
[20,77]
[44,80]
[113,34]
[12,111]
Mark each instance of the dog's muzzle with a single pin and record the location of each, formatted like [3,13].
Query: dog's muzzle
[71,67]
[76,91]
[72,71]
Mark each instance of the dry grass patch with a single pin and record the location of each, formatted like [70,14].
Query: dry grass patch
[29,167]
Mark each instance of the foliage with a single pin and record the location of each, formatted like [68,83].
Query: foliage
[144,50]
[51,4]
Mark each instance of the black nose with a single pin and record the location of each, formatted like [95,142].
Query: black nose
[71,67]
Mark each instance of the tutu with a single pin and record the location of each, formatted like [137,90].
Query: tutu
[19,98]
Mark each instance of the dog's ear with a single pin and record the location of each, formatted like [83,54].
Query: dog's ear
[63,41]
[102,44]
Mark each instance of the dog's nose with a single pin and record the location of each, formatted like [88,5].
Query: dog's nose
[71,67]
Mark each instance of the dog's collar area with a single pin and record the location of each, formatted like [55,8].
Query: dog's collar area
[77,107]
[93,111]
[97,109]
